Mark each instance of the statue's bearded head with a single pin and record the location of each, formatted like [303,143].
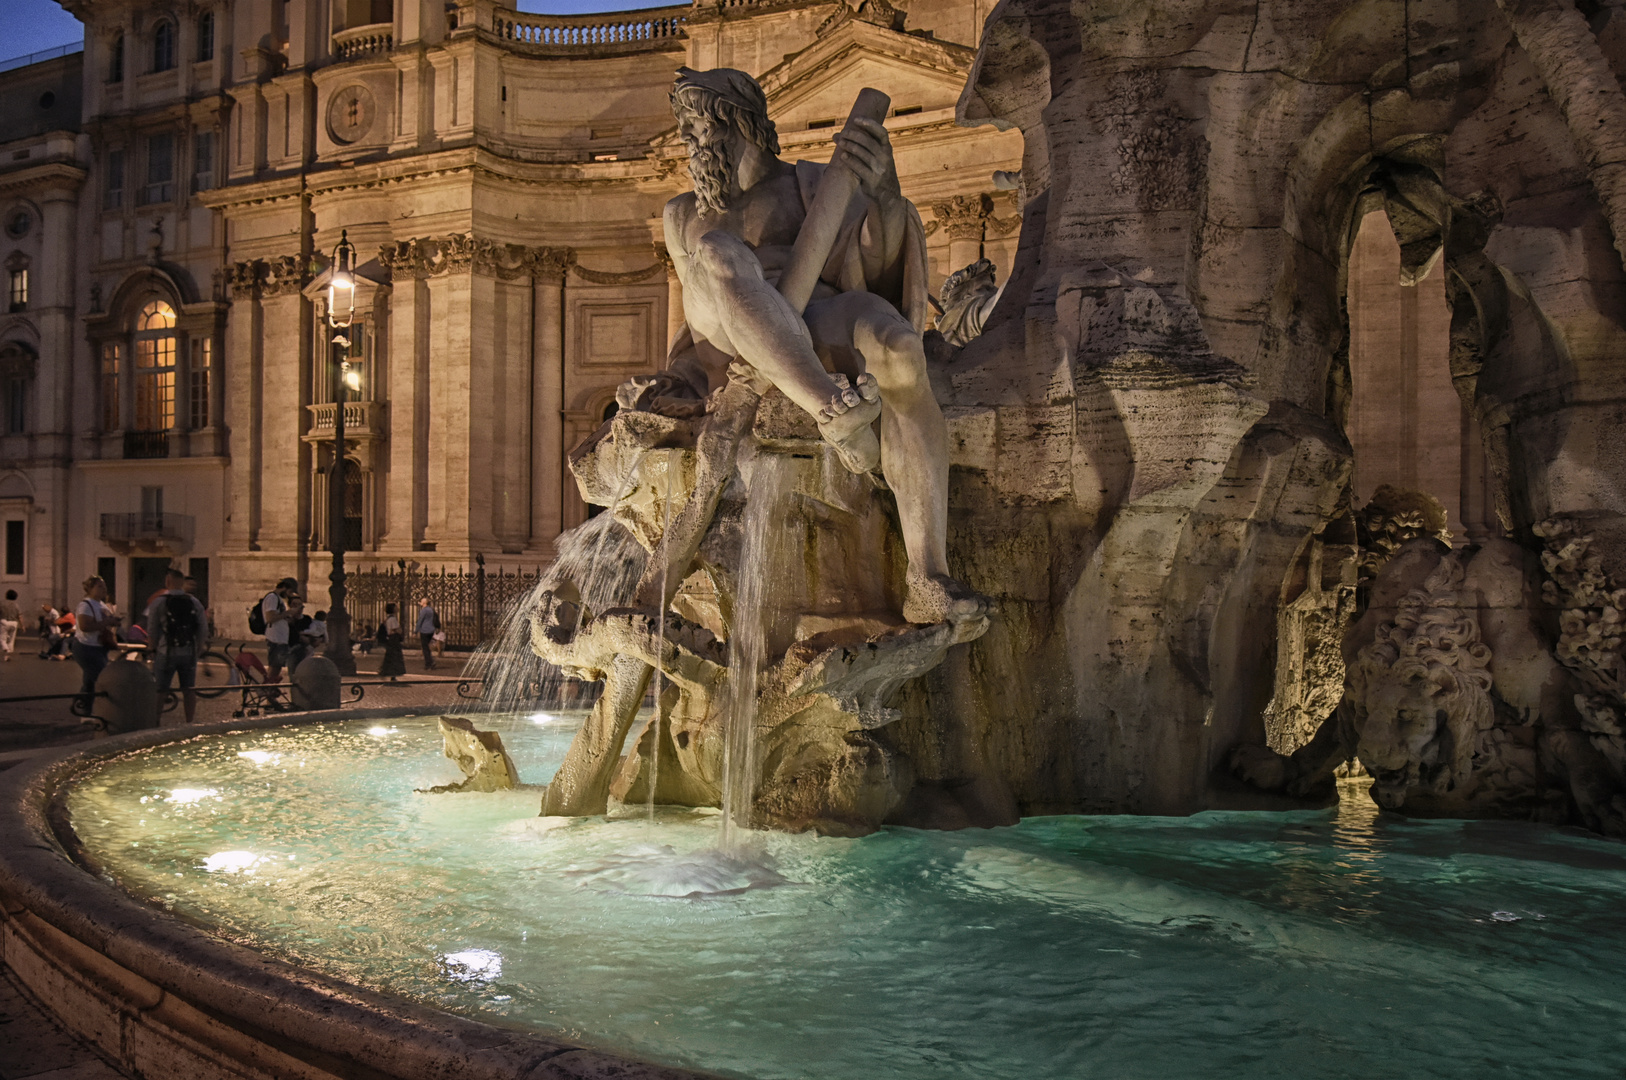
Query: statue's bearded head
[711,106]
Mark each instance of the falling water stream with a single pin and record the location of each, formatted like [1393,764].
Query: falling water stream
[764,548]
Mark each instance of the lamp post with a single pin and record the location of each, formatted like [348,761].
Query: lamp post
[341,310]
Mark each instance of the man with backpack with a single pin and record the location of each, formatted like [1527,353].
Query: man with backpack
[178,631]
[270,617]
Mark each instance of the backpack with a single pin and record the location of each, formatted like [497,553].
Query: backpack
[256,614]
[180,623]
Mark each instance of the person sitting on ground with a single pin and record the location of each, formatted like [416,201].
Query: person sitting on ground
[11,617]
[179,632]
[51,639]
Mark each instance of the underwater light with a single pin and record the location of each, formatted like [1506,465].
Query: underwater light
[540,718]
[473,965]
[381,730]
[258,757]
[185,795]
[230,862]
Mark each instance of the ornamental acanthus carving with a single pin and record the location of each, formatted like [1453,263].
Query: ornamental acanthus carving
[279,275]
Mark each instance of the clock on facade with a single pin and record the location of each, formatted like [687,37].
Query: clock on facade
[350,113]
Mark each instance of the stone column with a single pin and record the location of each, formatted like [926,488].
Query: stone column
[449,415]
[963,217]
[674,296]
[548,268]
[244,372]
[407,480]
[284,482]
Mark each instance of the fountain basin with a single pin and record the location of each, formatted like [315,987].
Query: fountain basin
[164,998]
[1224,945]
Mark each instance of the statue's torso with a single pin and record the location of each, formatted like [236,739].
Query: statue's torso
[767,217]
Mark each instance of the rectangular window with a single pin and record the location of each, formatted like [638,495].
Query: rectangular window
[110,385]
[155,383]
[113,197]
[203,161]
[16,548]
[198,396]
[16,406]
[206,36]
[160,186]
[19,290]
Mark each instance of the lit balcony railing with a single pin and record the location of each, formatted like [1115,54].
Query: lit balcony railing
[374,39]
[362,420]
[126,533]
[626,32]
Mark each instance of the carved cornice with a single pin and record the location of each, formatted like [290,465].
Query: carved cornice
[460,253]
[629,277]
[279,275]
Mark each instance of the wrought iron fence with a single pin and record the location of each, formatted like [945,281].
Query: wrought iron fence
[470,603]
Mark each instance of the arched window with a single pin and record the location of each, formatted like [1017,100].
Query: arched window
[163,46]
[155,368]
[17,363]
[115,60]
[206,36]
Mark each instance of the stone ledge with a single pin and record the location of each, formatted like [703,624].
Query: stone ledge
[162,998]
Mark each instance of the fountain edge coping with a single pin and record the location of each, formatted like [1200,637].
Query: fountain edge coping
[150,990]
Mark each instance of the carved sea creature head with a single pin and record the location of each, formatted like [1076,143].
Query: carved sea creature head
[710,107]
[968,283]
[1421,691]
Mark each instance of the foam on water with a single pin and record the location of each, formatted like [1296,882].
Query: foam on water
[1225,946]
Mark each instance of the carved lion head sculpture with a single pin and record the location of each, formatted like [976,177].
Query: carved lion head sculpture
[1420,692]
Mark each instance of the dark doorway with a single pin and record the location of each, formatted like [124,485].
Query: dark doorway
[146,578]
[107,568]
[198,570]
[353,503]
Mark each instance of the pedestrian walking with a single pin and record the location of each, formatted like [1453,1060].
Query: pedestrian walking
[11,616]
[389,636]
[178,631]
[93,632]
[428,623]
[273,623]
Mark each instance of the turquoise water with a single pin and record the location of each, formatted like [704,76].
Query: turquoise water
[1312,944]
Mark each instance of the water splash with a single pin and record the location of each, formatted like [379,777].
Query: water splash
[604,562]
[660,652]
[659,871]
[764,548]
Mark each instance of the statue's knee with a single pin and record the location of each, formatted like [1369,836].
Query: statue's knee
[888,334]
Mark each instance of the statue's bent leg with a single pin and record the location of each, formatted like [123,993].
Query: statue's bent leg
[914,445]
[768,334]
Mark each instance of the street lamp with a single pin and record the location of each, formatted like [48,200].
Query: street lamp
[341,311]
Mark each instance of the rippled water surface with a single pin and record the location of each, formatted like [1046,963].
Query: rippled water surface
[1335,944]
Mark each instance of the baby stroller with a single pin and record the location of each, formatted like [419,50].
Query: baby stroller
[249,674]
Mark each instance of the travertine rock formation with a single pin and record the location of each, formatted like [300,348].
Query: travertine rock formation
[480,755]
[1151,475]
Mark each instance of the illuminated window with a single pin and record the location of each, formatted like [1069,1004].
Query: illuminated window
[198,395]
[155,368]
[110,385]
[19,289]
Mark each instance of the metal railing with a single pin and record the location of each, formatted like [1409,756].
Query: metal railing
[141,526]
[654,27]
[359,41]
[471,604]
[42,56]
[146,444]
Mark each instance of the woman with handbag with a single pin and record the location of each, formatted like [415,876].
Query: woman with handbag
[93,635]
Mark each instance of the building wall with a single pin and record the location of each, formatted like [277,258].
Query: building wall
[503,188]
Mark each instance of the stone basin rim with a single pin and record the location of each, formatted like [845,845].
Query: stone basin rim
[151,991]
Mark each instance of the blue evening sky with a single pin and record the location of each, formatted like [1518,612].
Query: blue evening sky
[32,25]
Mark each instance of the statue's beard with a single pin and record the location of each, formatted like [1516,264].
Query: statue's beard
[711,172]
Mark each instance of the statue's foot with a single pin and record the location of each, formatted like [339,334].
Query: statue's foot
[845,422]
[939,598]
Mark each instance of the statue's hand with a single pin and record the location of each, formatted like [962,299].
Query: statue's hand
[868,149]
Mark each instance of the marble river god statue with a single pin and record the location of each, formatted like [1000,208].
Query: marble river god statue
[805,294]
